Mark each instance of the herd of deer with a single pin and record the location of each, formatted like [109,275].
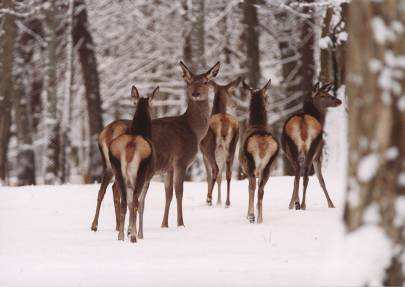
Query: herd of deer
[133,151]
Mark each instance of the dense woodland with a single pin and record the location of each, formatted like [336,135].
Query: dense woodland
[67,67]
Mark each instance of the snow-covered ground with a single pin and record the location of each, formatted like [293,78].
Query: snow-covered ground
[45,240]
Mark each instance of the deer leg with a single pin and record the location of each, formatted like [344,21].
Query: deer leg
[133,208]
[263,180]
[305,183]
[228,183]
[116,195]
[169,196]
[123,212]
[295,196]
[214,169]
[141,209]
[179,174]
[219,181]
[252,188]
[318,171]
[208,172]
[107,176]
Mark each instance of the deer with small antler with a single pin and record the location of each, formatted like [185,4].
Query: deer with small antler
[219,145]
[133,159]
[258,148]
[302,141]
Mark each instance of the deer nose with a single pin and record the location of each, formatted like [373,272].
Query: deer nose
[195,94]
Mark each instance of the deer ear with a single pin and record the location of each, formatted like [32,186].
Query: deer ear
[327,87]
[134,93]
[213,72]
[266,87]
[155,93]
[187,74]
[231,87]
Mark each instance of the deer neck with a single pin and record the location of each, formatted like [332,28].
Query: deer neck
[141,123]
[315,110]
[257,113]
[219,106]
[197,116]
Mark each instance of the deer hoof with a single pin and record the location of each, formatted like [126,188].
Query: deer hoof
[164,225]
[140,236]
[121,236]
[227,205]
[133,238]
[94,227]
[251,218]
[330,205]
[303,206]
[297,206]
[209,202]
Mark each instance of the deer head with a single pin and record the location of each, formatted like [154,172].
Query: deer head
[257,95]
[322,98]
[198,85]
[226,92]
[258,104]
[145,102]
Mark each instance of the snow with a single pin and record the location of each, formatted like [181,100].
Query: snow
[45,240]
[368,167]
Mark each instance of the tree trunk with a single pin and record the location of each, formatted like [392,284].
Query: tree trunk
[376,121]
[51,105]
[197,35]
[81,35]
[6,85]
[325,73]
[251,39]
[25,73]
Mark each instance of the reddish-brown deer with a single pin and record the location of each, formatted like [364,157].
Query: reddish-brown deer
[302,141]
[219,144]
[177,138]
[258,148]
[133,158]
[107,135]
[176,143]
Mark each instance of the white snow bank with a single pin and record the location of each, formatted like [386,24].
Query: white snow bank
[45,240]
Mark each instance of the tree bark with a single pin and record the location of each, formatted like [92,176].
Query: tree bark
[6,88]
[51,105]
[376,121]
[25,80]
[198,35]
[83,40]
[325,73]
[251,39]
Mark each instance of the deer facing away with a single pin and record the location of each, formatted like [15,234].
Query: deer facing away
[219,144]
[302,141]
[132,157]
[258,148]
